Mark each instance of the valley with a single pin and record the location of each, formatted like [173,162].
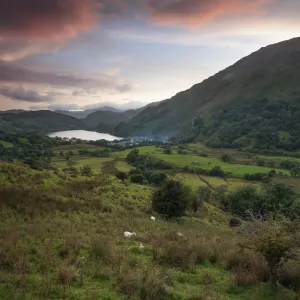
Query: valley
[200,202]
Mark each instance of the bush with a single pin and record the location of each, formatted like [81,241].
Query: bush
[137,178]
[226,158]
[290,275]
[216,171]
[255,177]
[172,199]
[86,171]
[168,151]
[235,222]
[157,178]
[155,285]
[122,176]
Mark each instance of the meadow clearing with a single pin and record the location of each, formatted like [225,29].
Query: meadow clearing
[62,238]
[61,233]
[235,171]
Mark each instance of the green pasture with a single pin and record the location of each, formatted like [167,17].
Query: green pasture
[96,163]
[6,144]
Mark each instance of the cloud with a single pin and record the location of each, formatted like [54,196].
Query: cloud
[13,73]
[13,49]
[60,106]
[194,13]
[120,106]
[47,19]
[33,27]
[21,94]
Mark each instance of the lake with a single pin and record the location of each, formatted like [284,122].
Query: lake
[84,135]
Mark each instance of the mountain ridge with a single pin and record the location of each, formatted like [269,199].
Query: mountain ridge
[272,72]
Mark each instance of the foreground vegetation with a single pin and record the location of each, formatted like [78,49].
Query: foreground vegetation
[63,215]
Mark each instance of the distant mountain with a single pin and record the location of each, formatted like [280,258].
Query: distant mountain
[44,121]
[268,75]
[11,111]
[84,113]
[108,117]
[104,120]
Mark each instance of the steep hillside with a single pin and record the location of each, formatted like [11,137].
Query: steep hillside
[271,73]
[83,114]
[103,120]
[108,117]
[39,121]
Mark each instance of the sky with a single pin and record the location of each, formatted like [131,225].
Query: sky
[83,54]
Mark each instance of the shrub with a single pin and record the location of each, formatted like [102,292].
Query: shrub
[226,158]
[101,249]
[155,285]
[86,171]
[157,178]
[216,171]
[129,280]
[185,255]
[235,222]
[122,176]
[168,151]
[172,199]
[290,275]
[137,178]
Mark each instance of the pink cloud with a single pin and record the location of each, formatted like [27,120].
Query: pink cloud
[47,19]
[194,13]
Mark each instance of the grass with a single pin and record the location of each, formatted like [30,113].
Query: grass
[61,237]
[6,144]
[96,163]
[122,166]
[77,147]
[206,163]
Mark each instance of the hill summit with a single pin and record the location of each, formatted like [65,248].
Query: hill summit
[269,75]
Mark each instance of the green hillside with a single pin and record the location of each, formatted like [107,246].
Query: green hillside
[108,117]
[105,120]
[268,75]
[39,121]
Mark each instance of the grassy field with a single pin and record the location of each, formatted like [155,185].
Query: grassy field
[206,163]
[6,144]
[122,166]
[62,237]
[96,163]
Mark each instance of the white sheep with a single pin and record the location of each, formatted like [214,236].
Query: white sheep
[141,246]
[180,234]
[128,234]
[153,218]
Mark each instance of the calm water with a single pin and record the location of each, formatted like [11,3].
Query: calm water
[84,135]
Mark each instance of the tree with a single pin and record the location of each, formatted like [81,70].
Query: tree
[205,193]
[137,178]
[168,151]
[220,194]
[196,201]
[86,171]
[71,163]
[278,198]
[157,177]
[295,172]
[226,158]
[172,199]
[244,199]
[216,171]
[132,156]
[122,176]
